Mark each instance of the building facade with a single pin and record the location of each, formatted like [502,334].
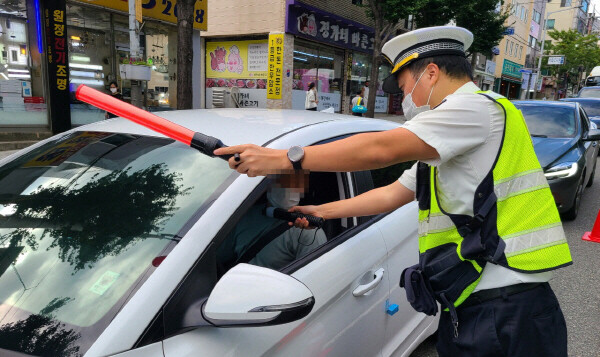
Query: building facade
[328,43]
[512,50]
[51,47]
[568,15]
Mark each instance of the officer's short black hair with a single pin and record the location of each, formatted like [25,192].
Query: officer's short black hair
[454,66]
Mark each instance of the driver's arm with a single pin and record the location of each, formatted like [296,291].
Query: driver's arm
[376,201]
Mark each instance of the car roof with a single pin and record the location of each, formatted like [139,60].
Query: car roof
[232,126]
[544,103]
[579,99]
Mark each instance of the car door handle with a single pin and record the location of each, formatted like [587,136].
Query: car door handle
[363,289]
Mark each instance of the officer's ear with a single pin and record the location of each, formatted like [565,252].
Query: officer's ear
[432,72]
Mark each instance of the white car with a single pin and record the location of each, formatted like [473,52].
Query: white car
[111,243]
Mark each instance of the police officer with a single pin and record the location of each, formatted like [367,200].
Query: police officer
[489,231]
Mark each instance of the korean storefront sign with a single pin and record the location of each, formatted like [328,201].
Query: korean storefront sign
[312,23]
[55,23]
[165,10]
[275,75]
[237,59]
[511,69]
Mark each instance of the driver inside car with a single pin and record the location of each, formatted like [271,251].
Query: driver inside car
[270,242]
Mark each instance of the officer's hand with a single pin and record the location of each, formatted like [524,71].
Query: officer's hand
[308,210]
[256,160]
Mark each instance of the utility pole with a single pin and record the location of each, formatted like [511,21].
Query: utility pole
[544,29]
[134,52]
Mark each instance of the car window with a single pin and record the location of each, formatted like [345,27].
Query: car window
[589,93]
[551,121]
[388,175]
[591,108]
[265,241]
[585,121]
[81,220]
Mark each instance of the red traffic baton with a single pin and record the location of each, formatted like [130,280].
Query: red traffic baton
[203,143]
[594,235]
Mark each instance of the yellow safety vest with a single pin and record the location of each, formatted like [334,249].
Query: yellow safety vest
[515,224]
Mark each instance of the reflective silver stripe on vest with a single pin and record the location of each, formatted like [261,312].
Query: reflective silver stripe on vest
[435,224]
[520,184]
[535,239]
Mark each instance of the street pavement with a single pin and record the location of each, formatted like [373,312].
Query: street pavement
[577,286]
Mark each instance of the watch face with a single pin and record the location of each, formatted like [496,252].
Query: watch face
[295,153]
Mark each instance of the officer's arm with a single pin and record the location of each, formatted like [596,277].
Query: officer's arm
[359,152]
[376,201]
[368,151]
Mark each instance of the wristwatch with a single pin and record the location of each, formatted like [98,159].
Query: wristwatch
[295,154]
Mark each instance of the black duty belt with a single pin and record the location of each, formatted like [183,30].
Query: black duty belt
[491,294]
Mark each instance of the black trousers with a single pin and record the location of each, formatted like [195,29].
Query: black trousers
[528,324]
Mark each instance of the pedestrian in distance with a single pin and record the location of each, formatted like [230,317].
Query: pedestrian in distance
[357,101]
[311,97]
[365,90]
[490,235]
[114,92]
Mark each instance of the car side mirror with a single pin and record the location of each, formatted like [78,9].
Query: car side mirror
[592,135]
[249,295]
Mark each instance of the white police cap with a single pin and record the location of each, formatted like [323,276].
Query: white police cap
[425,42]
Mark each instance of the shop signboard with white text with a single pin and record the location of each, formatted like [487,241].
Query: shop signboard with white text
[315,24]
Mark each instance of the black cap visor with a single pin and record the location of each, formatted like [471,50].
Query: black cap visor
[390,84]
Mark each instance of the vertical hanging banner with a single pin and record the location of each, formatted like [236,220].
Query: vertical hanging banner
[275,75]
[55,22]
[138,11]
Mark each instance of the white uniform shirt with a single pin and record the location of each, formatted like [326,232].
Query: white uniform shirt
[466,130]
[311,99]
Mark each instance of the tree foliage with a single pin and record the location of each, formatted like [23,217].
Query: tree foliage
[488,29]
[579,51]
[387,15]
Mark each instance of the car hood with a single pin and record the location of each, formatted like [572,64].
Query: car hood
[548,150]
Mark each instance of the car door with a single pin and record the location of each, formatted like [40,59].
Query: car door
[406,328]
[346,276]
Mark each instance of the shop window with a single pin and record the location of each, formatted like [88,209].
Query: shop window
[322,65]
[17,106]
[361,72]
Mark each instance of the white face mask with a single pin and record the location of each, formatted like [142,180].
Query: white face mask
[114,90]
[284,198]
[409,107]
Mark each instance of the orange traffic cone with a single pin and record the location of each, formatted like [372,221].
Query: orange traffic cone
[594,235]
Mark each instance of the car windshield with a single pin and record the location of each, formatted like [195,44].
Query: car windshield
[589,93]
[549,120]
[82,219]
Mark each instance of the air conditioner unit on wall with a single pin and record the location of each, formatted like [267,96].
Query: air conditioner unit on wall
[226,97]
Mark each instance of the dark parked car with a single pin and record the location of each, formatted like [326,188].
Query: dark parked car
[589,92]
[591,107]
[566,147]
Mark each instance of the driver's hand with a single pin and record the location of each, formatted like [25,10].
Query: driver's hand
[308,210]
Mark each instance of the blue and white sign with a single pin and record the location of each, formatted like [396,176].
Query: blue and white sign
[557,60]
[522,70]
[509,31]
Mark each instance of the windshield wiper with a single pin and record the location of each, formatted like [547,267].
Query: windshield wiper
[539,136]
